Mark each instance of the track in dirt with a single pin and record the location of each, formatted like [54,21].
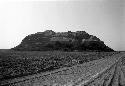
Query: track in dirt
[114,76]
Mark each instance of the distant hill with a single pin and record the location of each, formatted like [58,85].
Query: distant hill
[63,41]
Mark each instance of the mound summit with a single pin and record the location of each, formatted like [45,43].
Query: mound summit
[63,41]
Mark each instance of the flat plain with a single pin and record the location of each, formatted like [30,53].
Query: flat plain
[35,68]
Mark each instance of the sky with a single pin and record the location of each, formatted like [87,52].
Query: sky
[102,18]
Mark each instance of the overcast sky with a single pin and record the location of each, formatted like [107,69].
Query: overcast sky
[102,18]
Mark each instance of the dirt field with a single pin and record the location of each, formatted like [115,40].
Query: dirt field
[84,74]
[15,64]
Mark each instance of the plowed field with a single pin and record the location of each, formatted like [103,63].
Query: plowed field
[103,72]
